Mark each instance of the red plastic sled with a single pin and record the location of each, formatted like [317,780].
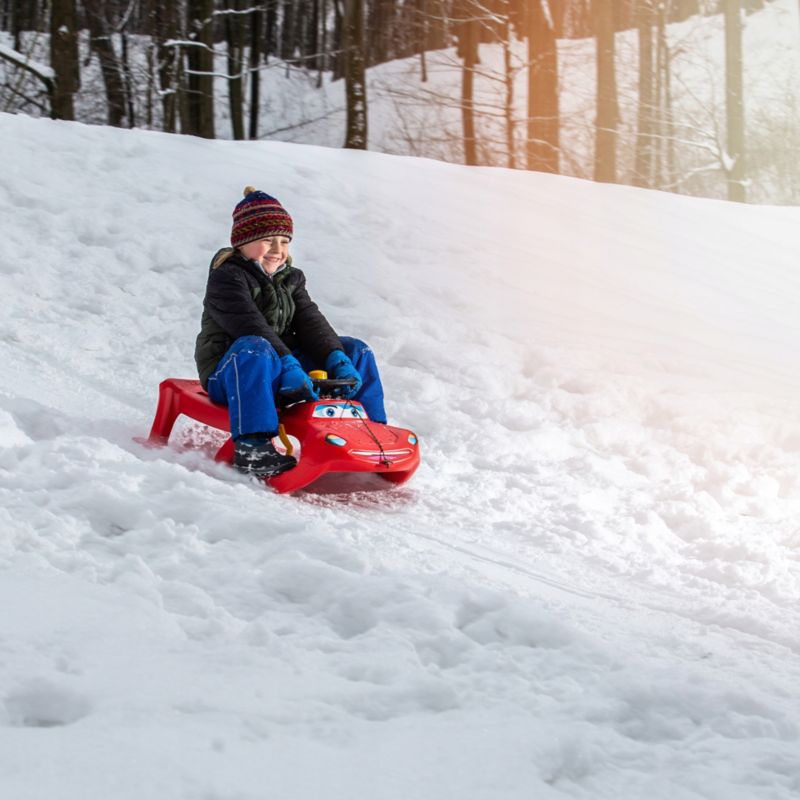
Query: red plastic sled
[334,435]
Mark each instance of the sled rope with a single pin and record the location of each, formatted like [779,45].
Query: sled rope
[384,459]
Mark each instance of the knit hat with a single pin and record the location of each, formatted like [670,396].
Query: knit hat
[259,216]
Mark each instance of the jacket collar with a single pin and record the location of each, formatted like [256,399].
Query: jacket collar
[256,270]
[250,267]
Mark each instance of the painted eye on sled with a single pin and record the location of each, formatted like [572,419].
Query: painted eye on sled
[337,411]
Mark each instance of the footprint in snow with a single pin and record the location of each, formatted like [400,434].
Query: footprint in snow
[41,703]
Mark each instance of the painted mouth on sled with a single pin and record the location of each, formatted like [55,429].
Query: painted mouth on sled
[392,456]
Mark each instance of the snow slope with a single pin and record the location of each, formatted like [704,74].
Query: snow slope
[589,589]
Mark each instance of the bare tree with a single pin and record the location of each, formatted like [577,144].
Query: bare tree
[508,106]
[605,154]
[257,35]
[64,57]
[468,38]
[734,101]
[234,34]
[643,167]
[355,75]
[25,15]
[102,43]
[322,63]
[288,38]
[665,167]
[200,69]
[169,59]
[543,106]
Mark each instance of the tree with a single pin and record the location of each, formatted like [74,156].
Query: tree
[508,76]
[355,74]
[643,166]
[24,16]
[322,61]
[102,44]
[169,60]
[468,39]
[734,101]
[200,70]
[257,34]
[543,106]
[287,30]
[605,154]
[64,57]
[665,169]
[234,34]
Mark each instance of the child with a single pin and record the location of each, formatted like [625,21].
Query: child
[260,332]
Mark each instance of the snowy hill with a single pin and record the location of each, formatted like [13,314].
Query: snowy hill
[590,587]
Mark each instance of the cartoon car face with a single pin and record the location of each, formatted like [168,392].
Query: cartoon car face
[337,435]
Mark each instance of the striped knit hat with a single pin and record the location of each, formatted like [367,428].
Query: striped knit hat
[259,216]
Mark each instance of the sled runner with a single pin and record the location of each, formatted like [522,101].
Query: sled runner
[332,434]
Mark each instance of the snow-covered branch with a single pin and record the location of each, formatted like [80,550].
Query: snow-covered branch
[44,73]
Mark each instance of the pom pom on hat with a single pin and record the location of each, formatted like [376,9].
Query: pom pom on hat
[257,216]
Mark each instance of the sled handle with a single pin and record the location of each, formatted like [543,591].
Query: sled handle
[285,440]
[327,386]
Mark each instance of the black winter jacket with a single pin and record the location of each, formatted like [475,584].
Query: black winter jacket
[242,300]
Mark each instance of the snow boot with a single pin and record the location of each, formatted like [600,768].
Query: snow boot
[256,455]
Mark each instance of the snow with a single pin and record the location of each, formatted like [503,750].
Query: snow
[590,587]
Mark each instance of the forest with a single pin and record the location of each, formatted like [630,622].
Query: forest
[663,94]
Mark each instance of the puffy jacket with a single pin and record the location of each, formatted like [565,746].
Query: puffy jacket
[242,300]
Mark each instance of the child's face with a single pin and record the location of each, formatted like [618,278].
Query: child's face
[271,252]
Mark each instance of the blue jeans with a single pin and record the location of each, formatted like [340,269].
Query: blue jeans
[246,380]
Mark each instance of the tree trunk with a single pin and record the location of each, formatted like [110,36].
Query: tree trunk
[441,27]
[380,27]
[468,49]
[664,170]
[300,26]
[127,81]
[643,166]
[337,45]
[543,108]
[287,30]
[424,24]
[355,75]
[312,37]
[508,108]
[167,59]
[151,86]
[734,101]
[323,42]
[233,33]
[605,154]
[64,58]
[103,45]
[256,37]
[271,46]
[200,67]
[24,17]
